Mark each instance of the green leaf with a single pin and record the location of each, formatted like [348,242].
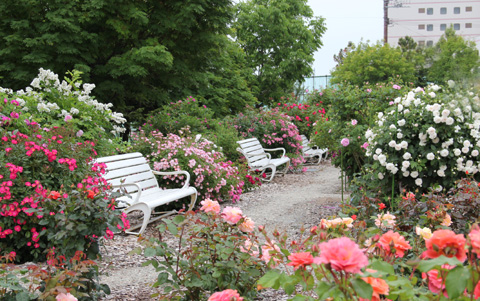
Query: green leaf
[171,227]
[382,266]
[363,289]
[178,219]
[149,252]
[23,296]
[270,279]
[322,290]
[427,265]
[456,281]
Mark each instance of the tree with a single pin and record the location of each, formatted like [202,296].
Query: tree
[452,58]
[279,38]
[373,64]
[416,54]
[139,54]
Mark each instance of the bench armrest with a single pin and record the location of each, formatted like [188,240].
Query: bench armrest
[276,149]
[139,189]
[171,173]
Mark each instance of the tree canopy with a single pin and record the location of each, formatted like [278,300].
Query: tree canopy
[279,38]
[373,63]
[139,54]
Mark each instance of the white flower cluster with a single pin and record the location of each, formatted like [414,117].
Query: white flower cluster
[419,126]
[46,81]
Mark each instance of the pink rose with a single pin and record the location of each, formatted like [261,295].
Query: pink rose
[226,295]
[208,205]
[247,226]
[343,254]
[232,215]
[65,297]
[345,142]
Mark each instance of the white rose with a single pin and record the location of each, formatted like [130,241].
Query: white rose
[418,182]
[399,135]
[378,151]
[445,112]
[392,127]
[465,150]
[406,164]
[444,152]
[406,173]
[401,122]
[437,119]
[414,174]
[457,152]
[407,156]
[475,153]
[404,144]
[430,156]
[380,176]
[392,143]
[450,121]
[432,95]
[380,115]
[466,143]
[441,173]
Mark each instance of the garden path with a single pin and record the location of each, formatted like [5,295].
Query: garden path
[286,203]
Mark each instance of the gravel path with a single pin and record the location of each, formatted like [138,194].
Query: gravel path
[285,204]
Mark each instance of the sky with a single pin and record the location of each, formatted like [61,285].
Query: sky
[346,20]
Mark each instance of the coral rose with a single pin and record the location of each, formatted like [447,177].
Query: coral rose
[300,260]
[396,240]
[343,254]
[380,286]
[232,215]
[476,291]
[247,226]
[210,206]
[271,247]
[226,295]
[447,243]
[474,237]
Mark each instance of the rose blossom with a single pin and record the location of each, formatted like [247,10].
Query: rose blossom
[226,295]
[474,239]
[247,226]
[343,254]
[65,297]
[209,205]
[445,242]
[345,142]
[426,233]
[232,215]
[380,286]
[396,240]
[385,221]
[435,282]
[300,260]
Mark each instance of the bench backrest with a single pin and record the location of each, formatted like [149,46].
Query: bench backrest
[252,146]
[132,168]
[305,143]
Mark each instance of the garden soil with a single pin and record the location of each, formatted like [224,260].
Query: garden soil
[286,204]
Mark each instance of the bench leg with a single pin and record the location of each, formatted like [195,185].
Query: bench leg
[192,202]
[146,217]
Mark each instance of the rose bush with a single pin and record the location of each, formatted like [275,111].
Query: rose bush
[428,138]
[210,173]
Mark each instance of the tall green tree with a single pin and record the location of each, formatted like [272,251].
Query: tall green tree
[417,55]
[452,57]
[373,63]
[279,38]
[140,54]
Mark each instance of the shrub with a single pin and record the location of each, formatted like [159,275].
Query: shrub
[209,173]
[215,252]
[174,118]
[51,195]
[51,103]
[273,129]
[304,116]
[426,139]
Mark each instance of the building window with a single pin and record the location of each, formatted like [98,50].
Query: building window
[430,27]
[468,25]
[421,10]
[429,43]
[456,26]
[468,9]
[443,11]
[443,27]
[430,11]
[456,10]
[421,43]
[421,26]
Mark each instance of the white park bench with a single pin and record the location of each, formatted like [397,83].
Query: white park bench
[132,173]
[312,153]
[259,160]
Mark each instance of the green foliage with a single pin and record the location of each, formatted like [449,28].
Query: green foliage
[366,63]
[453,58]
[350,110]
[279,38]
[212,255]
[140,54]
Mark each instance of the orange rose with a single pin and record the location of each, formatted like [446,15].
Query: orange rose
[396,240]
[380,286]
[90,194]
[447,243]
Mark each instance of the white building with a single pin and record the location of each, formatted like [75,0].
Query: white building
[426,20]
